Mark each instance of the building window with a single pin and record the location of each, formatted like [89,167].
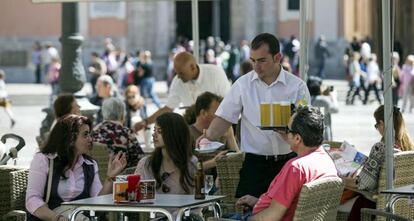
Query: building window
[107,9]
[293,5]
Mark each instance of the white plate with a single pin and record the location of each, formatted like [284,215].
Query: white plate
[210,147]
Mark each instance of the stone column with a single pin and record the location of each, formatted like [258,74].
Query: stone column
[72,74]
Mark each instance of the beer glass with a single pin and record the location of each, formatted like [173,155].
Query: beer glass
[265,115]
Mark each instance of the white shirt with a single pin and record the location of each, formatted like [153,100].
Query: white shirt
[373,72]
[48,54]
[3,92]
[245,97]
[211,78]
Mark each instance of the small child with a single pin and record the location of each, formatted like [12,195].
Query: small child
[4,101]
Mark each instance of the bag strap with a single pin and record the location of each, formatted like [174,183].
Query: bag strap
[49,180]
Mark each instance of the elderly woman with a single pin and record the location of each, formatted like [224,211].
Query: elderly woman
[73,174]
[112,132]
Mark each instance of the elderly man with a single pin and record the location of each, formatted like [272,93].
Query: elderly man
[104,89]
[191,80]
[266,152]
[305,136]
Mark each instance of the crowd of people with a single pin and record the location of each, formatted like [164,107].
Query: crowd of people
[277,163]
[364,76]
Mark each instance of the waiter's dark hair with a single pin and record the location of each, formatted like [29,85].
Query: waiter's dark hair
[269,39]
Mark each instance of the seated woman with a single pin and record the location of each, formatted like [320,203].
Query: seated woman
[136,110]
[112,132]
[368,177]
[74,173]
[199,117]
[65,104]
[172,163]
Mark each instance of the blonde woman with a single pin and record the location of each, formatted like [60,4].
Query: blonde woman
[407,82]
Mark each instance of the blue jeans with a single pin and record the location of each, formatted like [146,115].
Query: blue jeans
[237,216]
[147,90]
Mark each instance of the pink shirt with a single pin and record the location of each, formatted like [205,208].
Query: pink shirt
[407,75]
[67,189]
[286,186]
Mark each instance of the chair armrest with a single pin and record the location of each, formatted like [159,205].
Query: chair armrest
[371,196]
[366,215]
[17,215]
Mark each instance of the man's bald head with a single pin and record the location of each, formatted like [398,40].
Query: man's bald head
[183,58]
[185,66]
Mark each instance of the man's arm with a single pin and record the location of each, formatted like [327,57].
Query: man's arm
[231,140]
[150,120]
[274,212]
[217,128]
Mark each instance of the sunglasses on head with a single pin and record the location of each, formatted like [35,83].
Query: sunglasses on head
[164,187]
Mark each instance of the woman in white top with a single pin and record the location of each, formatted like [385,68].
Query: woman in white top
[373,78]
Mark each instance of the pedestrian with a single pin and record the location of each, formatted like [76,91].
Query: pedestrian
[53,78]
[396,75]
[4,99]
[96,68]
[146,72]
[407,83]
[321,54]
[356,73]
[37,61]
[49,52]
[373,78]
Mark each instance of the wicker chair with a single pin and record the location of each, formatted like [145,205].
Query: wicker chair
[100,153]
[318,200]
[13,184]
[368,214]
[403,175]
[228,173]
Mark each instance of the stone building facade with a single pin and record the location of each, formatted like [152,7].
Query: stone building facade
[153,25]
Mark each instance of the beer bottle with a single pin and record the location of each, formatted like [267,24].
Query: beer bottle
[199,182]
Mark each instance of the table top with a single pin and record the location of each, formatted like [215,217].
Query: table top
[161,200]
[403,190]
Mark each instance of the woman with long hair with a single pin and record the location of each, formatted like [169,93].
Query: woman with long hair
[74,175]
[367,179]
[171,164]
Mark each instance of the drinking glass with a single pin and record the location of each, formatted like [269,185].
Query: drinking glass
[208,183]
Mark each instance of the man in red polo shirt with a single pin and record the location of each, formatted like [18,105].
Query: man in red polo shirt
[305,136]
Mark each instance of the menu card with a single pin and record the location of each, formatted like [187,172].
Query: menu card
[347,158]
[120,190]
